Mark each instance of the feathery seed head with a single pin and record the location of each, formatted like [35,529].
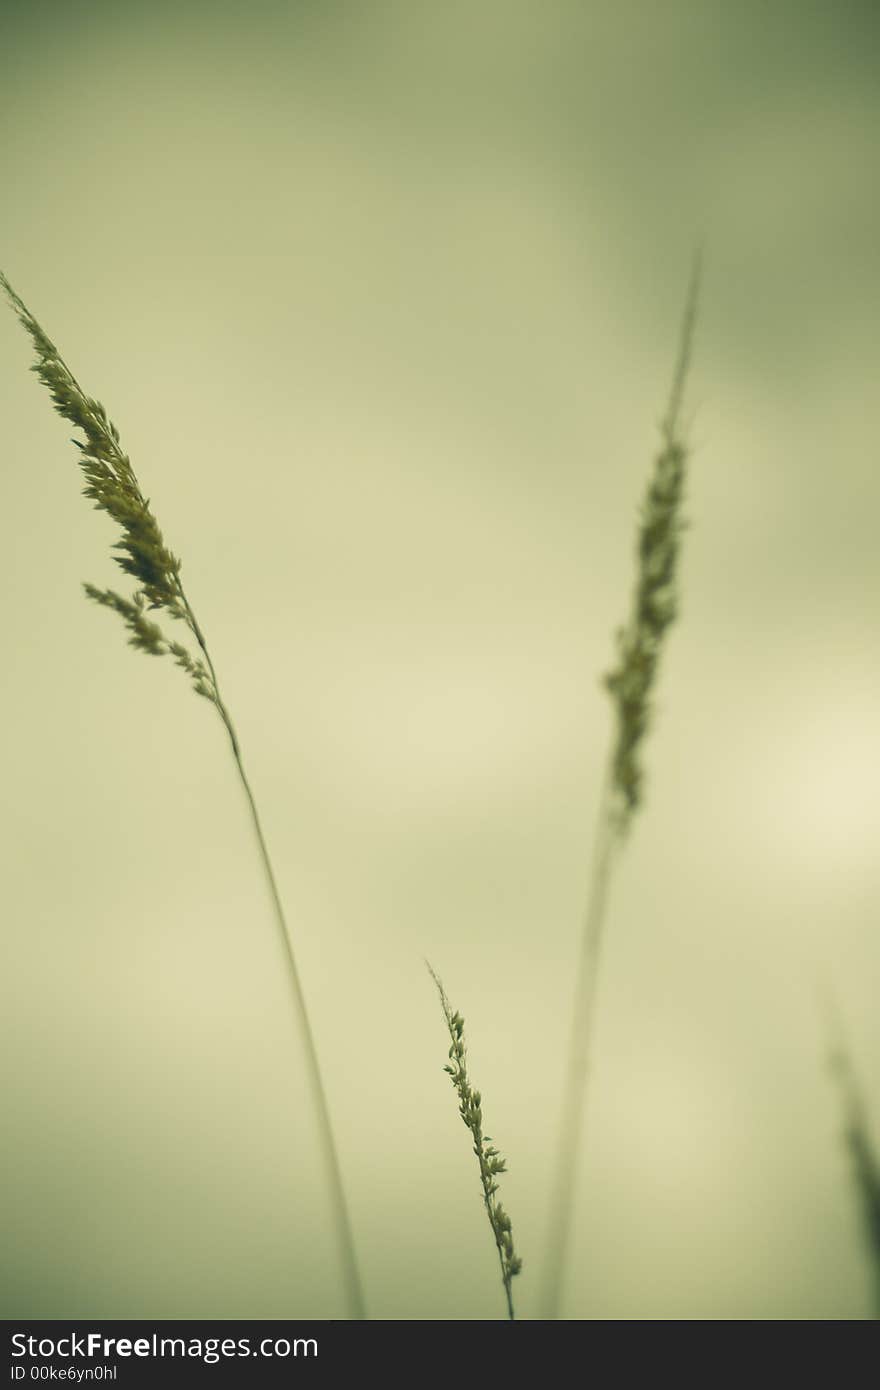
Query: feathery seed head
[112,486]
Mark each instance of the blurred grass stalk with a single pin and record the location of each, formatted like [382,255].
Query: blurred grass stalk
[865,1165]
[630,685]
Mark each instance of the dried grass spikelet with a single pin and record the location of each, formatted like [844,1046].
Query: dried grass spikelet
[492,1165]
[113,487]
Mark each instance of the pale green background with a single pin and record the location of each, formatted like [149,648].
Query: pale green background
[384,299]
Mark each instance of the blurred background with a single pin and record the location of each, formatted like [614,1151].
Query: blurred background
[384,298]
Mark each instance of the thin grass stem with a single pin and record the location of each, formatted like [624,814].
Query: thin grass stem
[354,1294]
[570,1139]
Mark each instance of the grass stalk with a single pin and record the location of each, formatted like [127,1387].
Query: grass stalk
[354,1295]
[630,686]
[112,485]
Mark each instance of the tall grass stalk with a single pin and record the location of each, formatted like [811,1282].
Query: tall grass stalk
[630,685]
[470,1108]
[112,485]
[864,1160]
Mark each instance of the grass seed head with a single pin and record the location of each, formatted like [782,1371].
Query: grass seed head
[470,1108]
[113,487]
[655,601]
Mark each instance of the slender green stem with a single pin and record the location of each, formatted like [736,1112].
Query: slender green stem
[606,842]
[342,1220]
[344,1235]
[507,1289]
